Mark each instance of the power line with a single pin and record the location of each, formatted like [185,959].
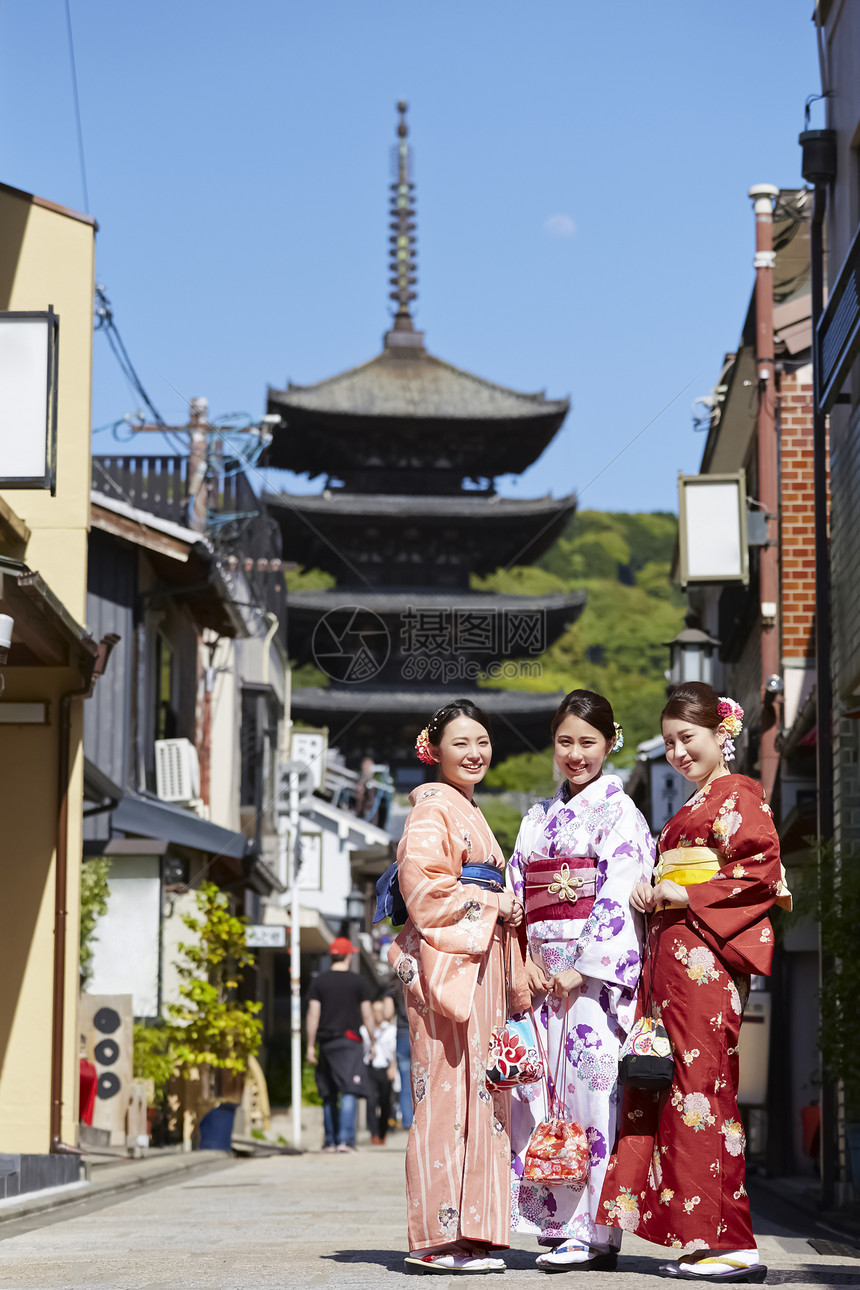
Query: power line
[105,322]
[77,108]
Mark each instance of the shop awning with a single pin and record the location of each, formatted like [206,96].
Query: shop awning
[151,818]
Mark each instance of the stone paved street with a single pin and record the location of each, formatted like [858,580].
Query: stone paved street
[304,1221]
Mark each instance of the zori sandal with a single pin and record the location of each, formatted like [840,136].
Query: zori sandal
[445,1264]
[573,1254]
[715,1267]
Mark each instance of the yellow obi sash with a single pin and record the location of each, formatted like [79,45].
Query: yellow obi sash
[691,865]
[687,866]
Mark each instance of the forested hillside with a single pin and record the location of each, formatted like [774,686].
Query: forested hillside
[618,645]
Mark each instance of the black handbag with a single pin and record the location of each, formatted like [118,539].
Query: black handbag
[646,1060]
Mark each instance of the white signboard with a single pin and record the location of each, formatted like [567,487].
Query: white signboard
[713,529]
[310,874]
[258,937]
[27,394]
[309,746]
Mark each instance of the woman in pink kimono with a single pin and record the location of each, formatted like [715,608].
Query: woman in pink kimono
[577,860]
[449,957]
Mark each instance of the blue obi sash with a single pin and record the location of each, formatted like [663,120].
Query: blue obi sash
[390,903]
[482,875]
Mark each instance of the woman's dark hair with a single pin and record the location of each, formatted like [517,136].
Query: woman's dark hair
[694,702]
[444,715]
[589,707]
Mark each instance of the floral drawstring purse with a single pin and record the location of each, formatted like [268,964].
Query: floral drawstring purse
[558,1151]
[515,1056]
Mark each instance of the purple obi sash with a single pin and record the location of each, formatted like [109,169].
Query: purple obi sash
[560,887]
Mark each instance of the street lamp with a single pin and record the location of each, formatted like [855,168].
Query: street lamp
[691,655]
[28,399]
[355,912]
[355,908]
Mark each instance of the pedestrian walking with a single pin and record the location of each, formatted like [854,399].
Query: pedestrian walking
[338,1005]
[577,858]
[396,1011]
[380,1058]
[449,957]
[677,1178]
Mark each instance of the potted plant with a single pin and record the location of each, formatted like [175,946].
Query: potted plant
[212,1028]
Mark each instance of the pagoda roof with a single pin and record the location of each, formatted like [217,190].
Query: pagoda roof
[395,537]
[394,601]
[417,506]
[449,607]
[409,383]
[405,702]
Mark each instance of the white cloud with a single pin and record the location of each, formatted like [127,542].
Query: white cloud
[560,226]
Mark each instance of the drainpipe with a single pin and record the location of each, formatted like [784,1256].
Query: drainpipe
[763,197]
[823,678]
[61,914]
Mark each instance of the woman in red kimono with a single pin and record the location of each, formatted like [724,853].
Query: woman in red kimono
[677,1176]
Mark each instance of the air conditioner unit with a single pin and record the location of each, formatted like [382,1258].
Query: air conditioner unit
[177,770]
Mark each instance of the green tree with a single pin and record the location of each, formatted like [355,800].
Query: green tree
[618,644]
[155,1058]
[306,675]
[523,773]
[212,1026]
[655,579]
[504,819]
[302,579]
[94,902]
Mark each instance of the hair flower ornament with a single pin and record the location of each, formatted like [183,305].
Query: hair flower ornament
[619,738]
[422,747]
[731,716]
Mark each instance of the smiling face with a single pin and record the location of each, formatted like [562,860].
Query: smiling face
[580,751]
[695,751]
[463,753]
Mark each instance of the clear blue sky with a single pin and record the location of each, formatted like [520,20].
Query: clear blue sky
[238,161]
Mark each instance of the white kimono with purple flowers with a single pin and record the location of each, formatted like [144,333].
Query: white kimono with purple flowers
[600,821]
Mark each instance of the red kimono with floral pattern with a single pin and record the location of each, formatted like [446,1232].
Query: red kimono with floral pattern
[677,1175]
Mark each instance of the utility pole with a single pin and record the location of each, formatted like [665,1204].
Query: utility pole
[197,465]
[295,962]
[290,862]
[763,197]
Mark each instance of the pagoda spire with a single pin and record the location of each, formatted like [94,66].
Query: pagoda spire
[403,265]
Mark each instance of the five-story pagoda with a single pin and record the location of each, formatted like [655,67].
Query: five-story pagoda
[410,447]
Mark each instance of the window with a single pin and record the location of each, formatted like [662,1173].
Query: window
[166,724]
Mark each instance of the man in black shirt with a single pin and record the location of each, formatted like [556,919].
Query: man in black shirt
[338,1003]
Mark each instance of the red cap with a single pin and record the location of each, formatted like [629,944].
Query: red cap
[340,945]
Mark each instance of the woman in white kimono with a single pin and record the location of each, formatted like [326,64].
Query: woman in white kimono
[577,859]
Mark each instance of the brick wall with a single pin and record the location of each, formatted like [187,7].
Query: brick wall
[797,518]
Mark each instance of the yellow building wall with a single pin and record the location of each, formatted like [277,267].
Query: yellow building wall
[46,258]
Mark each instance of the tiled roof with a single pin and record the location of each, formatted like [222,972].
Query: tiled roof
[380,506]
[396,602]
[415,385]
[365,699]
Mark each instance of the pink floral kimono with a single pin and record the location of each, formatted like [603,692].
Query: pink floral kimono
[449,957]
